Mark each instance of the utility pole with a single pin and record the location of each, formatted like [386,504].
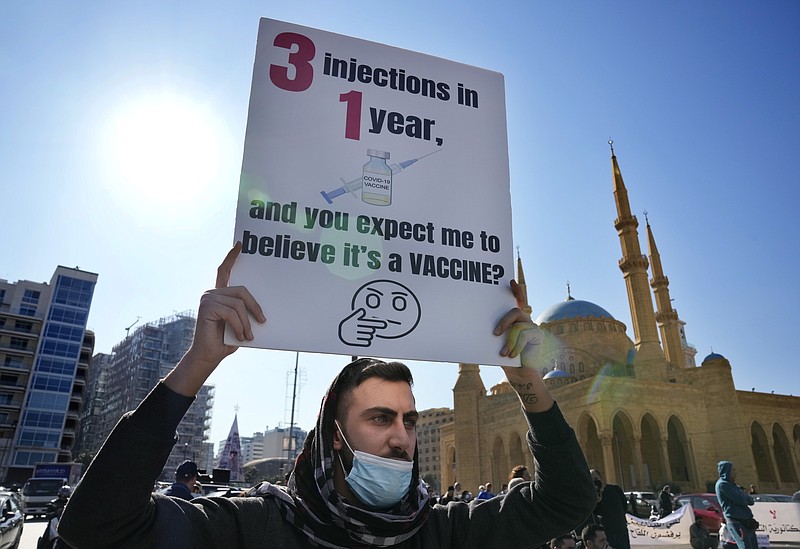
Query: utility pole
[294,397]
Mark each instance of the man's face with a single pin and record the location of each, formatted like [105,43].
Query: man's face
[599,483]
[568,543]
[381,419]
[599,541]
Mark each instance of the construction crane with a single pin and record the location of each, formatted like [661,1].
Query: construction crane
[128,329]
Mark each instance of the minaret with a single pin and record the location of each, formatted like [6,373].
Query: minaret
[634,269]
[666,316]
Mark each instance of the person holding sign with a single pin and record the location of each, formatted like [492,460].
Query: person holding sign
[355,484]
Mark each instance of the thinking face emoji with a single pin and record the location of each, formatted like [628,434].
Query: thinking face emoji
[391,302]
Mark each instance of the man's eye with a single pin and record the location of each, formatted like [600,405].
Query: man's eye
[380,419]
[411,423]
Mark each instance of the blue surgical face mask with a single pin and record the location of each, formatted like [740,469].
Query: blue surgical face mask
[377,481]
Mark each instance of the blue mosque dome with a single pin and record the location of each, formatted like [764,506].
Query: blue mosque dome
[713,356]
[554,374]
[572,308]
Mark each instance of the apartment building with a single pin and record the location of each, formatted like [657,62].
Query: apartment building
[45,354]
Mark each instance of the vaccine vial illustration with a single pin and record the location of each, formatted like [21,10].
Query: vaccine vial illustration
[376,179]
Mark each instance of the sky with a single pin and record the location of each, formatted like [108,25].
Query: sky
[123,126]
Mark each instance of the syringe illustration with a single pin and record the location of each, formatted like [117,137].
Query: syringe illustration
[355,184]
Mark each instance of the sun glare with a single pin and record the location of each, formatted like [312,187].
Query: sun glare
[165,151]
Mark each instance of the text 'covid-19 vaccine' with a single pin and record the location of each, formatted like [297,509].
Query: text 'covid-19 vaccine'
[376,179]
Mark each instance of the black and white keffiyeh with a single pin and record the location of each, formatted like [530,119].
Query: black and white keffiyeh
[310,502]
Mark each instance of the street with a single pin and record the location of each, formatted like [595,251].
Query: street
[30,533]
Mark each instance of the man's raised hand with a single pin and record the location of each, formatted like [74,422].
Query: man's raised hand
[218,307]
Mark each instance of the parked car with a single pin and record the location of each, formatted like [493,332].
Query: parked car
[223,490]
[707,507]
[780,498]
[644,503]
[11,521]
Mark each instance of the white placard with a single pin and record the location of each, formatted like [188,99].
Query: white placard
[374,204]
[780,521]
[671,530]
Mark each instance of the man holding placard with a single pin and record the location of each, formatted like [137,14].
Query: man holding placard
[356,482]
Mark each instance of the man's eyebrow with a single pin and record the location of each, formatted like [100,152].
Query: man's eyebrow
[389,412]
[380,410]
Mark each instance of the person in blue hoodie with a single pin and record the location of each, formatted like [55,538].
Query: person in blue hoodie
[735,504]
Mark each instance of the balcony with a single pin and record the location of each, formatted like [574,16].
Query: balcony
[16,366]
[19,331]
[10,404]
[16,312]
[16,348]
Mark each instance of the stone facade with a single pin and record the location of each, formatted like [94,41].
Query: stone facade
[642,419]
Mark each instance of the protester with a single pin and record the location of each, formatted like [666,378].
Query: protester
[594,537]
[735,506]
[185,480]
[356,482]
[564,541]
[611,508]
[699,536]
[457,490]
[448,496]
[664,502]
[520,471]
[632,504]
[486,493]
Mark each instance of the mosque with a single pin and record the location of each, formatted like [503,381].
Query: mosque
[644,412]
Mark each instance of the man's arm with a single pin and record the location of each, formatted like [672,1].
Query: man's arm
[734,494]
[562,493]
[140,444]
[217,307]
[524,339]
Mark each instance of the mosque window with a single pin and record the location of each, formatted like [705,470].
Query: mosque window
[573,327]
[583,377]
[580,367]
[613,328]
[599,326]
[571,359]
[572,368]
[587,326]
